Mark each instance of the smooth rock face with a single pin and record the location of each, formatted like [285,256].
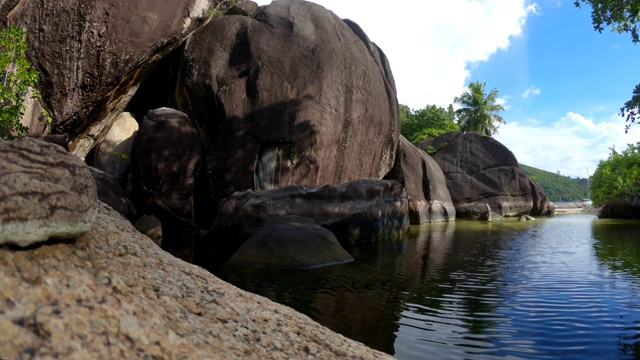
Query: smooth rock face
[165,154]
[541,204]
[290,95]
[91,54]
[291,245]
[357,211]
[114,294]
[45,192]
[113,154]
[421,176]
[479,171]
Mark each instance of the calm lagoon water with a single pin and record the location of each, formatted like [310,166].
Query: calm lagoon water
[566,287]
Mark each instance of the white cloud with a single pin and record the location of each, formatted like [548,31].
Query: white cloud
[532,91]
[503,101]
[431,45]
[570,145]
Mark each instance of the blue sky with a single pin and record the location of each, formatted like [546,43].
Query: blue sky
[562,83]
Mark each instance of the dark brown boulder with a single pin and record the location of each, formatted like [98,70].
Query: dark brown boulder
[362,210]
[165,153]
[92,54]
[541,204]
[480,171]
[620,209]
[111,194]
[422,178]
[288,96]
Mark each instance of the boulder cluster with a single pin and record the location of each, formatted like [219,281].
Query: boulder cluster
[260,135]
[213,121]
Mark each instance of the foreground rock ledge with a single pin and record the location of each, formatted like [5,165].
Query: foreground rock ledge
[114,294]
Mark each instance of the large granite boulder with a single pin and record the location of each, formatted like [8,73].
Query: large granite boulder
[479,171]
[165,154]
[288,95]
[291,244]
[422,178]
[45,192]
[362,210]
[92,55]
[114,294]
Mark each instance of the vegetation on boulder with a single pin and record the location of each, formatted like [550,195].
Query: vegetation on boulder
[432,121]
[17,78]
[557,187]
[479,110]
[617,178]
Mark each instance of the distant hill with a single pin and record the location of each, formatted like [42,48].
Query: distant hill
[558,187]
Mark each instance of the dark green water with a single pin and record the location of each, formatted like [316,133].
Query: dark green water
[566,287]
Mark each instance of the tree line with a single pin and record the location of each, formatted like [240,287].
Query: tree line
[557,187]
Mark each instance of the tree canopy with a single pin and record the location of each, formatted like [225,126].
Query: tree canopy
[426,123]
[623,17]
[617,178]
[479,111]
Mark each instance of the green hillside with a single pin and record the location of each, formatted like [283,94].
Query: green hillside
[558,187]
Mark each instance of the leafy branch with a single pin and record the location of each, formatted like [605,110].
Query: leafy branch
[17,78]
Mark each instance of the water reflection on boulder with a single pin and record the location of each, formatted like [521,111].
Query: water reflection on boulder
[618,245]
[387,278]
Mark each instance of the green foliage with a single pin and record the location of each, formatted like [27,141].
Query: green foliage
[426,123]
[17,78]
[622,16]
[631,109]
[219,8]
[617,178]
[557,187]
[478,110]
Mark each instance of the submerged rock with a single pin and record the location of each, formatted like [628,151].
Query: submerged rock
[114,294]
[292,245]
[362,210]
[45,192]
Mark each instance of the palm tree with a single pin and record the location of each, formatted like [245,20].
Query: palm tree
[479,111]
